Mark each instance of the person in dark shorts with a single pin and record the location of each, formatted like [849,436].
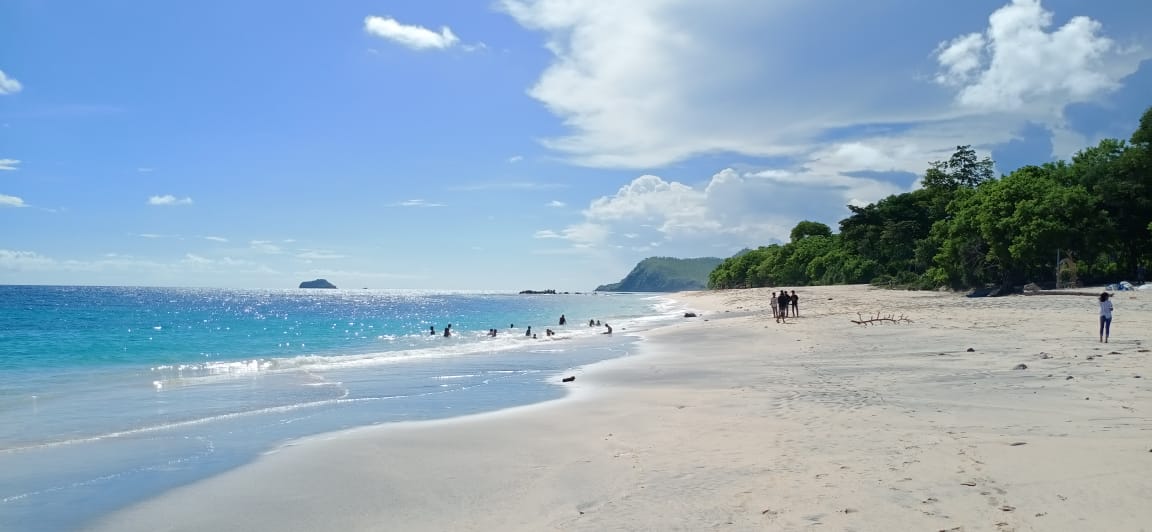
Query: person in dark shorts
[795,299]
[782,301]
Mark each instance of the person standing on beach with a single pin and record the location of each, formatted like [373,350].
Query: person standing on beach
[775,307]
[795,299]
[783,301]
[1105,316]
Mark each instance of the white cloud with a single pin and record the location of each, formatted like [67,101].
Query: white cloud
[196,262]
[731,210]
[726,76]
[9,164]
[196,259]
[31,261]
[1017,65]
[523,185]
[24,260]
[216,238]
[515,159]
[264,246]
[9,85]
[557,204]
[319,255]
[416,203]
[414,37]
[169,199]
[361,275]
[11,201]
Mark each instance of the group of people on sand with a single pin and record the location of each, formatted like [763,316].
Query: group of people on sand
[781,302]
[528,332]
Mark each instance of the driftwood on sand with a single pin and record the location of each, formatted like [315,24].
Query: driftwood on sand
[879,318]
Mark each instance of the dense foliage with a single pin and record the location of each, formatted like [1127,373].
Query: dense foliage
[665,274]
[1088,220]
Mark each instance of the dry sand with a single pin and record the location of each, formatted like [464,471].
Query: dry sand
[733,422]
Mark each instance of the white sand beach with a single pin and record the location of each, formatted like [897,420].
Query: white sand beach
[730,421]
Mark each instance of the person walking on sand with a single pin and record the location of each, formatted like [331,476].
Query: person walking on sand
[775,303]
[1105,316]
[795,299]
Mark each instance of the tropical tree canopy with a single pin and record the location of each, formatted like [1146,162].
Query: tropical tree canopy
[966,227]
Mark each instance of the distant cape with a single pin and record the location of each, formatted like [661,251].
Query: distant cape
[666,274]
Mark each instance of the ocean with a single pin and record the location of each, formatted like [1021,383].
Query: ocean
[112,395]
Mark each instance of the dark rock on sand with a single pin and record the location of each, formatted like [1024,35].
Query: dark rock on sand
[970,350]
[568,379]
[1021,366]
[689,314]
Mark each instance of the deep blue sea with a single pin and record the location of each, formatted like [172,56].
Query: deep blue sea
[111,395]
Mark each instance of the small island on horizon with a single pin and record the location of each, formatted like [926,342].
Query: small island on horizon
[317,283]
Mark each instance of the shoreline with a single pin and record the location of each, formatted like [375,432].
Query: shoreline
[730,420]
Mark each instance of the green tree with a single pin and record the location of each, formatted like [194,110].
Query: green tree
[1120,176]
[1022,219]
[887,232]
[963,169]
[807,228]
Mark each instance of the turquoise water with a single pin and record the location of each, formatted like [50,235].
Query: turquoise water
[110,395]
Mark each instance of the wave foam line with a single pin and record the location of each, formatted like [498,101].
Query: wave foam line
[236,415]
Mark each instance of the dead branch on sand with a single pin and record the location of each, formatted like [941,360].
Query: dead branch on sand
[879,318]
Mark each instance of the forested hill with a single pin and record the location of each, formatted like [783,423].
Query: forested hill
[666,274]
[1059,223]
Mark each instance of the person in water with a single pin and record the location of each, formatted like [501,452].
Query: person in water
[609,329]
[447,332]
[529,331]
[432,330]
[563,320]
[1105,316]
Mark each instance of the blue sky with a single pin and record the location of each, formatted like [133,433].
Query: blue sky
[511,144]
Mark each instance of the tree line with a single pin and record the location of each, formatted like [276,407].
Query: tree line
[1087,221]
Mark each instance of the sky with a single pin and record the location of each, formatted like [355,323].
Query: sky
[512,144]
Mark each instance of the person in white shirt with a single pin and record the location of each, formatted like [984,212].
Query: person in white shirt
[1105,316]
